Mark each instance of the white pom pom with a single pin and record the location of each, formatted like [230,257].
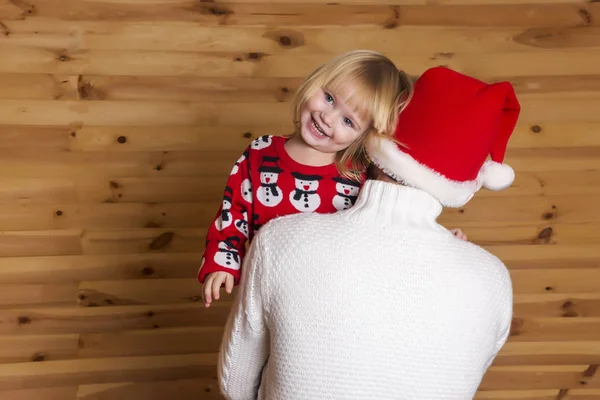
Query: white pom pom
[496,176]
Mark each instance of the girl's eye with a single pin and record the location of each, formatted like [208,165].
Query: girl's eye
[348,122]
[328,98]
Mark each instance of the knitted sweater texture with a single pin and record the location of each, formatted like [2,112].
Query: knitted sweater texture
[374,302]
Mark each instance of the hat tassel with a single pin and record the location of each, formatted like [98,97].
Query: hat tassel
[496,176]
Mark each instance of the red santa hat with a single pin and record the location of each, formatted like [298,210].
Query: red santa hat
[446,133]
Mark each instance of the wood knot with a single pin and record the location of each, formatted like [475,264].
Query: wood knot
[59,213]
[38,357]
[218,11]
[150,314]
[73,134]
[548,288]
[516,326]
[247,135]
[586,16]
[24,320]
[63,57]
[567,304]
[114,185]
[159,167]
[547,216]
[591,371]
[152,224]
[155,326]
[255,56]
[147,271]
[536,129]
[196,299]
[82,297]
[544,236]
[161,241]
[122,139]
[394,20]
[287,39]
[461,211]
[285,90]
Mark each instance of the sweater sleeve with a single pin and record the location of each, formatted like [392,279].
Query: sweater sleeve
[245,347]
[229,231]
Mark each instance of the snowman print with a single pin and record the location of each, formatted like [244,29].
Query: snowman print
[261,143]
[305,197]
[242,224]
[246,189]
[268,194]
[236,166]
[225,219]
[347,192]
[227,256]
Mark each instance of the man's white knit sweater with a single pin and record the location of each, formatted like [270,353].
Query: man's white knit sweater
[376,302]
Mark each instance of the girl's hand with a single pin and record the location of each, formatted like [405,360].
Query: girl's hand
[459,233]
[212,286]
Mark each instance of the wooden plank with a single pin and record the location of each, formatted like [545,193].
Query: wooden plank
[153,240]
[86,371]
[49,393]
[298,14]
[555,329]
[519,211]
[38,86]
[534,377]
[555,134]
[42,243]
[191,37]
[181,389]
[188,88]
[548,353]
[37,190]
[568,280]
[107,216]
[37,348]
[48,138]
[62,269]
[61,320]
[541,234]
[32,293]
[568,305]
[541,62]
[151,342]
[138,292]
[170,138]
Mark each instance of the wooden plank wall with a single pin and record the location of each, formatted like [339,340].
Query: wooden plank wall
[120,121]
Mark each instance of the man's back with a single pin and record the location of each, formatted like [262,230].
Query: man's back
[379,303]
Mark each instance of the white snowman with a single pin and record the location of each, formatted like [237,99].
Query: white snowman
[246,189]
[228,256]
[236,166]
[269,194]
[242,224]
[261,142]
[305,197]
[347,192]
[225,218]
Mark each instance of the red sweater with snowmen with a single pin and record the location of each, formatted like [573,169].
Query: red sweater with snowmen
[266,183]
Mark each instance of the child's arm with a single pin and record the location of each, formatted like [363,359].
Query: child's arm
[228,234]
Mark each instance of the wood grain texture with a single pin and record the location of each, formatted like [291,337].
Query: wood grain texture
[120,121]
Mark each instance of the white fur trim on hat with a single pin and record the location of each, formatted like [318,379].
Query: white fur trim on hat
[402,167]
[496,176]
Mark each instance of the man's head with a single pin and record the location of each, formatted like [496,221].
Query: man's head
[445,135]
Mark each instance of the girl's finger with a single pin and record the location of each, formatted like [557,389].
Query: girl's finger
[207,291]
[217,283]
[229,283]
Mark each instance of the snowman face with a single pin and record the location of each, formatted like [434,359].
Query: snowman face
[347,190]
[246,189]
[268,177]
[261,143]
[307,185]
[226,205]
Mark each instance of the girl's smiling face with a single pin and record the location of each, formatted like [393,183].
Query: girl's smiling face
[329,124]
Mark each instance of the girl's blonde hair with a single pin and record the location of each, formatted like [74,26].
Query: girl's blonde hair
[371,84]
